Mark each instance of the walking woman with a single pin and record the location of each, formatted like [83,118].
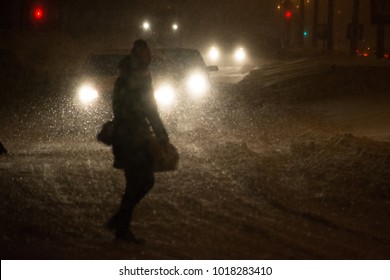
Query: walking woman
[135,114]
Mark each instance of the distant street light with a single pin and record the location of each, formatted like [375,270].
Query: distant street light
[146,25]
[175,27]
[147,29]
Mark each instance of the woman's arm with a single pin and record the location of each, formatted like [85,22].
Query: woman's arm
[153,116]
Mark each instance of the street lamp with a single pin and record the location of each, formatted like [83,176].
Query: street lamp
[175,27]
[147,29]
[146,25]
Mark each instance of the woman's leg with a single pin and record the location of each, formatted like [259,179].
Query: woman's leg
[138,184]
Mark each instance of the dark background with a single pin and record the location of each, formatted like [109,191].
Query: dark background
[72,29]
[257,22]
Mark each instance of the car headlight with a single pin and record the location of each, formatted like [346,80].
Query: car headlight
[164,94]
[214,54]
[239,55]
[197,84]
[87,94]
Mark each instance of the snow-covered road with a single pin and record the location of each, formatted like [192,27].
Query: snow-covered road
[264,176]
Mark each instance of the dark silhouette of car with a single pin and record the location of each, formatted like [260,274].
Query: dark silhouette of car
[180,77]
[181,84]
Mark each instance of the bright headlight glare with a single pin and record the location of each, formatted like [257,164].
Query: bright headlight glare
[214,54]
[197,84]
[164,94]
[87,94]
[239,55]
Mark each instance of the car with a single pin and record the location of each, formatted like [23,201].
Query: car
[180,80]
[237,56]
[95,84]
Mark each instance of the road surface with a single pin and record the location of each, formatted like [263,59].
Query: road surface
[268,173]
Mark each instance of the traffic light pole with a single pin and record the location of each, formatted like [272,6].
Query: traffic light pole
[355,24]
[330,25]
[287,24]
[287,38]
[315,23]
[380,44]
[301,23]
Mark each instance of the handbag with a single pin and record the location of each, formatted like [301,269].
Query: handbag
[165,156]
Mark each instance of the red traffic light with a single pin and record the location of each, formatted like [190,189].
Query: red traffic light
[288,15]
[38,13]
